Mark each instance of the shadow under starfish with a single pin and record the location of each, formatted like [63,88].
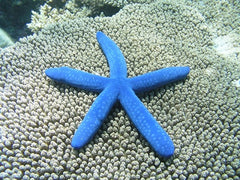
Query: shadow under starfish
[119,87]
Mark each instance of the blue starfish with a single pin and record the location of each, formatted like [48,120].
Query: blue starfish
[119,87]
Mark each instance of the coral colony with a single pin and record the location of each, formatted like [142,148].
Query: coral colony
[119,87]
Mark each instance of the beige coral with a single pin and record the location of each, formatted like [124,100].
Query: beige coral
[49,15]
[74,9]
[201,114]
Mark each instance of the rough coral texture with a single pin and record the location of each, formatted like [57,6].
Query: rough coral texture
[223,25]
[53,11]
[201,114]
[49,15]
[114,3]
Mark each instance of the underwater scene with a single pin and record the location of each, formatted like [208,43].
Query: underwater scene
[120,89]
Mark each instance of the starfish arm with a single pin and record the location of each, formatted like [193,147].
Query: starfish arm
[77,78]
[95,116]
[155,79]
[116,61]
[146,124]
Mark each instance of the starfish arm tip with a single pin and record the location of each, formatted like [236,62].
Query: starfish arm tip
[99,33]
[76,145]
[50,72]
[146,124]
[187,69]
[95,116]
[165,148]
[158,78]
[116,61]
[77,78]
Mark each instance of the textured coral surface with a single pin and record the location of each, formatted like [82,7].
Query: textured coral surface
[201,114]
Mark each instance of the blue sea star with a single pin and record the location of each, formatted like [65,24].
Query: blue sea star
[119,87]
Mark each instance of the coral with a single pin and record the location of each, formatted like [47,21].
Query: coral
[220,18]
[51,13]
[219,15]
[201,114]
[113,3]
[228,45]
[236,83]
